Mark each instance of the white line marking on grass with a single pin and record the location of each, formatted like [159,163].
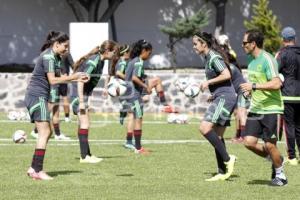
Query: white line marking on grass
[31,142]
[103,122]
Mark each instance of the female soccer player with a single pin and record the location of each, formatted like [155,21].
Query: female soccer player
[55,92]
[37,96]
[152,82]
[217,115]
[92,64]
[135,75]
[243,102]
[120,73]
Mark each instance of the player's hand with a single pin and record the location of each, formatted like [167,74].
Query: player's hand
[82,77]
[246,87]
[204,86]
[210,99]
[149,90]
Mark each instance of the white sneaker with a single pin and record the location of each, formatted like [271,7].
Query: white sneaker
[90,159]
[34,134]
[67,119]
[61,137]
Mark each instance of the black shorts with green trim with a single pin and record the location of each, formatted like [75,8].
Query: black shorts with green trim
[265,126]
[54,95]
[242,101]
[37,108]
[220,110]
[63,90]
[135,106]
[75,103]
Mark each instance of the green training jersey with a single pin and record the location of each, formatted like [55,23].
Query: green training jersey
[261,70]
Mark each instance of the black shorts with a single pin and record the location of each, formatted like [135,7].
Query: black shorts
[265,126]
[63,90]
[134,106]
[132,102]
[37,108]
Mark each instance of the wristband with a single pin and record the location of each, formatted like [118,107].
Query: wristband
[253,86]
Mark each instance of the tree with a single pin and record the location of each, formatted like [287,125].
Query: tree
[185,28]
[88,11]
[220,6]
[265,21]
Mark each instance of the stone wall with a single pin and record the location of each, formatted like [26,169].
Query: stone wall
[13,87]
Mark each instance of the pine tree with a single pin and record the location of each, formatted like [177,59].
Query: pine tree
[265,21]
[185,28]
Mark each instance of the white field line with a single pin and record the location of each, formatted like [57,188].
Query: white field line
[31,142]
[102,122]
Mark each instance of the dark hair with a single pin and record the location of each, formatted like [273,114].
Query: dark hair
[54,36]
[138,46]
[125,48]
[106,45]
[231,58]
[213,44]
[255,36]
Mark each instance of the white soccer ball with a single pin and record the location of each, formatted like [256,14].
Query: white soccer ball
[182,119]
[13,115]
[171,118]
[19,136]
[182,83]
[192,90]
[174,118]
[116,87]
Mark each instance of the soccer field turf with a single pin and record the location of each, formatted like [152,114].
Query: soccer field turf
[179,162]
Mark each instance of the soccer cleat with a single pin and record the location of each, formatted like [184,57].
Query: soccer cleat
[30,171]
[67,119]
[34,134]
[217,177]
[279,181]
[169,109]
[230,166]
[129,145]
[61,137]
[292,162]
[90,159]
[41,175]
[141,151]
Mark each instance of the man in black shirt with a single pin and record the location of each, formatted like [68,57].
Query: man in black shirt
[289,66]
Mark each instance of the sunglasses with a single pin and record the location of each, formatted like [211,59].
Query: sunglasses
[244,43]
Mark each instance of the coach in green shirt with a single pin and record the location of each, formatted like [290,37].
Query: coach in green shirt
[266,104]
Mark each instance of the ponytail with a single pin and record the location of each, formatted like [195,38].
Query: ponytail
[106,45]
[138,46]
[84,58]
[213,44]
[52,37]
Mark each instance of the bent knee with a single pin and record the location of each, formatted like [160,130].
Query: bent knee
[249,144]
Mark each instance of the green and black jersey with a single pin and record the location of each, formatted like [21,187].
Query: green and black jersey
[39,85]
[214,65]
[121,66]
[261,70]
[93,66]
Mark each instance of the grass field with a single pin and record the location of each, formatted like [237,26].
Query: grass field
[179,162]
